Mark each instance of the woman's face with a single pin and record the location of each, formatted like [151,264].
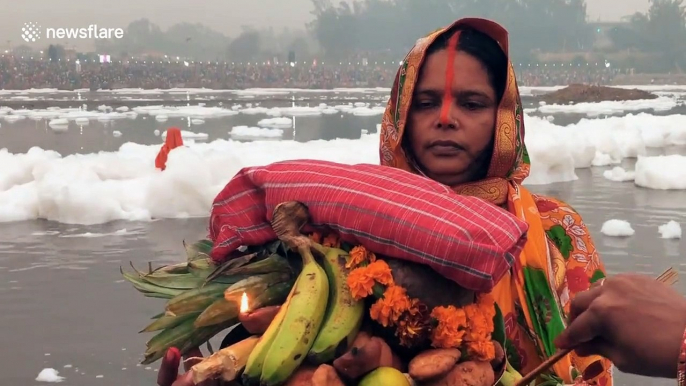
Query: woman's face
[451,125]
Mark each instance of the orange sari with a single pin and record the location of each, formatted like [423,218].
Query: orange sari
[559,259]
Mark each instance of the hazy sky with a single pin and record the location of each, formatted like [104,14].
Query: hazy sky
[226,16]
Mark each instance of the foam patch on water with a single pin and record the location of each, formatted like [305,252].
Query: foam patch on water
[671,230]
[254,133]
[124,185]
[49,376]
[619,174]
[276,123]
[617,228]
[661,172]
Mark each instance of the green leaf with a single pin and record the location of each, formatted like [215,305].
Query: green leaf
[597,275]
[498,327]
[575,373]
[561,239]
[512,355]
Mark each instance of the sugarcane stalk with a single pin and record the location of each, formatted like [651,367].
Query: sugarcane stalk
[226,363]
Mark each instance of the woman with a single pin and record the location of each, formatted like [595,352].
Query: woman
[455,116]
[173,140]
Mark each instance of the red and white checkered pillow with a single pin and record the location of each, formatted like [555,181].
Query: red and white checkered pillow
[391,212]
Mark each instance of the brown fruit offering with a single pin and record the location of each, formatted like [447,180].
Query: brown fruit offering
[302,377]
[326,375]
[466,374]
[363,357]
[432,364]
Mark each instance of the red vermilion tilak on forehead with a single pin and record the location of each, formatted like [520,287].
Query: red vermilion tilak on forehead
[449,75]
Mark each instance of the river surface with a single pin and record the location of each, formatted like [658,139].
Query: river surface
[65,305]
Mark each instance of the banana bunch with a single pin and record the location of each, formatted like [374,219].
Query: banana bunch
[318,320]
[203,299]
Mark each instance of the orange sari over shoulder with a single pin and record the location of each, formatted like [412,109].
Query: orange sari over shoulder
[559,259]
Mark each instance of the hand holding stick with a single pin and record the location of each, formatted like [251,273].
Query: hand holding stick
[669,277]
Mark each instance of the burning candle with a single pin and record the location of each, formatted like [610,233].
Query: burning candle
[244,304]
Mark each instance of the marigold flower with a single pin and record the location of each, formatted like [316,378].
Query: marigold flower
[381,272]
[481,350]
[358,255]
[414,325]
[361,284]
[450,328]
[388,309]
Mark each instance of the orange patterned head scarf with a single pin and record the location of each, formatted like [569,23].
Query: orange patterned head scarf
[509,163]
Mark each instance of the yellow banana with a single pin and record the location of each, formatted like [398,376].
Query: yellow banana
[301,322]
[343,316]
[253,368]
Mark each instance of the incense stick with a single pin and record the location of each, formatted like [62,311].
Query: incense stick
[669,277]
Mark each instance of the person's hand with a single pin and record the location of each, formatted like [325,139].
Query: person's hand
[256,322]
[632,320]
[169,369]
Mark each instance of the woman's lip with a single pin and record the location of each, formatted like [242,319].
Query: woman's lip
[445,144]
[445,150]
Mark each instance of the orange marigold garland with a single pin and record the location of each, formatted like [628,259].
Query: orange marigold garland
[447,327]
[391,306]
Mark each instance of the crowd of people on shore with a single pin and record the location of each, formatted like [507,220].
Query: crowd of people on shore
[562,76]
[20,74]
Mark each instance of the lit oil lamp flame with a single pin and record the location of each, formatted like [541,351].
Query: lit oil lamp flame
[244,303]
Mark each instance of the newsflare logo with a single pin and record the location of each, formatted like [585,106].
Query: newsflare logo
[32,32]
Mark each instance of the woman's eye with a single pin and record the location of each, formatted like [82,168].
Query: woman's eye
[472,105]
[425,104]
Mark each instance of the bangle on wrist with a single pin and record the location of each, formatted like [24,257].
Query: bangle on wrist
[681,366]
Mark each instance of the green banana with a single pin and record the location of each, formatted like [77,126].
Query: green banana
[150,289]
[200,267]
[226,308]
[195,300]
[274,295]
[173,281]
[179,268]
[198,250]
[344,314]
[301,323]
[168,321]
[220,311]
[172,337]
[273,263]
[184,337]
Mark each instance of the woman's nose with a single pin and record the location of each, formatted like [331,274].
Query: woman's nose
[447,122]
